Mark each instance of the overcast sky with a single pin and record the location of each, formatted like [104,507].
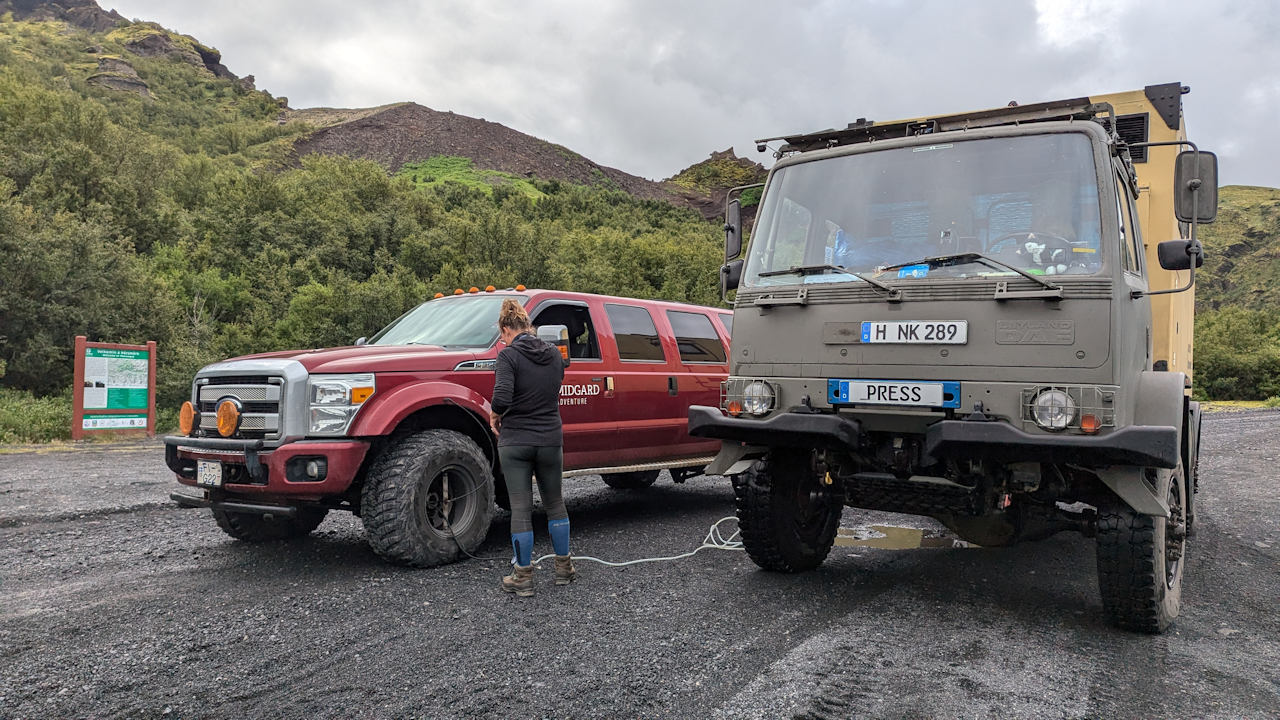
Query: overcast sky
[653,86]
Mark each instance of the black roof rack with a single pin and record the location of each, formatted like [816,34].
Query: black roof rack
[868,131]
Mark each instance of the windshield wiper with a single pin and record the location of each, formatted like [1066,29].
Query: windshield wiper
[826,268]
[961,258]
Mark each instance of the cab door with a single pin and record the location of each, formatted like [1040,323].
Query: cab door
[646,384]
[702,354]
[588,405]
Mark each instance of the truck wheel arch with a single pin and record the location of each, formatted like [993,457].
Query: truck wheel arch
[431,405]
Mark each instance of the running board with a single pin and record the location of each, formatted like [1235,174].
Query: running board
[641,467]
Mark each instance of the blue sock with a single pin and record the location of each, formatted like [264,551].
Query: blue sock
[559,530]
[522,544]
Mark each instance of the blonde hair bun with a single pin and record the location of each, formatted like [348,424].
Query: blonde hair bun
[513,316]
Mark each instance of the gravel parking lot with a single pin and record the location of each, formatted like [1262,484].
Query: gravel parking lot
[114,602]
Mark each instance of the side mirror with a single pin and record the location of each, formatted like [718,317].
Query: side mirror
[732,230]
[557,335]
[1176,254]
[361,341]
[730,276]
[1195,183]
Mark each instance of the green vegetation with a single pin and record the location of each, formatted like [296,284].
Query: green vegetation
[185,219]
[1237,296]
[436,171]
[25,418]
[721,170]
[1237,354]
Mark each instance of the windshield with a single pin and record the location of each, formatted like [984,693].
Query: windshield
[469,321]
[1028,201]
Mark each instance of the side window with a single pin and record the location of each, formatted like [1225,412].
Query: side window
[696,337]
[635,333]
[1127,258]
[1135,235]
[726,319]
[582,335]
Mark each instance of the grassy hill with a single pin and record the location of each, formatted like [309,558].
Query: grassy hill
[1242,251]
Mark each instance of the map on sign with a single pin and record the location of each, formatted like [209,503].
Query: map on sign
[115,379]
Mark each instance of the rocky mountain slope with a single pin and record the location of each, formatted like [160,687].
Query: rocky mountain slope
[393,135]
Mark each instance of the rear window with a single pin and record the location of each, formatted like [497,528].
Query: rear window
[727,320]
[696,337]
[635,333]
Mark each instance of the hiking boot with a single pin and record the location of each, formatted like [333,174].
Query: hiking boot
[565,571]
[520,581]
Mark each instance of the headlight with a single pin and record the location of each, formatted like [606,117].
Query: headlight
[757,398]
[1053,409]
[335,400]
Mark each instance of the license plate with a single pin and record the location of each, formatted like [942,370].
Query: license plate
[209,473]
[919,332]
[944,394]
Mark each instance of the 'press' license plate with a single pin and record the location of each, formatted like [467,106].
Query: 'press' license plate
[209,473]
[924,332]
[894,392]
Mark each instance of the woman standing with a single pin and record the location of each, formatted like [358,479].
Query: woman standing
[526,418]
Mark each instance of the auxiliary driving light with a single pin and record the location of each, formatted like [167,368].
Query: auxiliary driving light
[757,398]
[186,418]
[1053,409]
[228,417]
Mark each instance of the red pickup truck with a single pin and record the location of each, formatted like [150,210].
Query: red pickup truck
[396,429]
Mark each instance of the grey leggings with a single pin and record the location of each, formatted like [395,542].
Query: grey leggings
[520,463]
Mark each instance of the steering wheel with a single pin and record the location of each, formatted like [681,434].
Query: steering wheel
[1034,248]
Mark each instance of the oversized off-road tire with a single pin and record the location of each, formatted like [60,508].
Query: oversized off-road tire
[637,480]
[787,518]
[1141,558]
[260,528]
[428,499]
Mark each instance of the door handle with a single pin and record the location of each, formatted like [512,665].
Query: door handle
[673,387]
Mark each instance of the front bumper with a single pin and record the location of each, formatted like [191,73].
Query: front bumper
[1136,445]
[258,470]
[788,429]
[1142,445]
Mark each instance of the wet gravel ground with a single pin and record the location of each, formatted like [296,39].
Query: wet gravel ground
[114,603]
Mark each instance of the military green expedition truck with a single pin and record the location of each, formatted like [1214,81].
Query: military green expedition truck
[984,318]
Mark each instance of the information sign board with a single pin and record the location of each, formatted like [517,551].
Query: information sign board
[114,388]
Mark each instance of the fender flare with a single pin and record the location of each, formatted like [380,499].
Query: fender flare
[1160,401]
[391,409]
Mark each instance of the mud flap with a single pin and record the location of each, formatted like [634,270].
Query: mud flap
[1128,484]
[734,458]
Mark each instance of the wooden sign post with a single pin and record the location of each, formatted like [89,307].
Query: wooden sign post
[115,389]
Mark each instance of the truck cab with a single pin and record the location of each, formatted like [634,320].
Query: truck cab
[395,428]
[960,317]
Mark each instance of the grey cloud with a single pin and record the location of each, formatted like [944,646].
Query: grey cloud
[651,87]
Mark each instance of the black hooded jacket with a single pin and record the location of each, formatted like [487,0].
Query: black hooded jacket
[526,392]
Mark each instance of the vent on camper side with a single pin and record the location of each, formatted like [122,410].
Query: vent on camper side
[1132,129]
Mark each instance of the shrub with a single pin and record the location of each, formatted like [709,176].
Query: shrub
[25,418]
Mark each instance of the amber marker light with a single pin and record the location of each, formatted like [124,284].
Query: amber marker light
[520,288]
[439,295]
[186,418]
[1089,424]
[228,418]
[734,407]
[474,289]
[458,291]
[489,288]
[360,394]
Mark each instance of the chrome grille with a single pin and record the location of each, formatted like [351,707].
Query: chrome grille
[260,400]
